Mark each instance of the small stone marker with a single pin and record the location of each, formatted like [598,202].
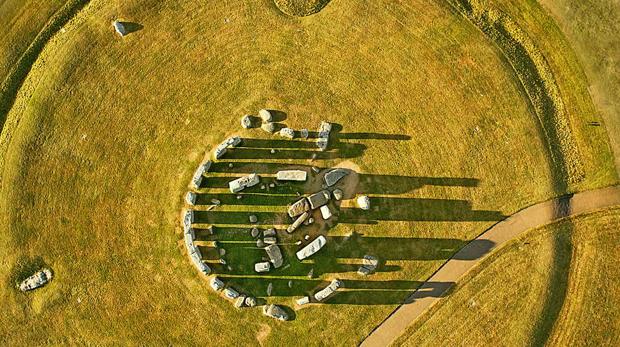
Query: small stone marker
[239,197]
[230,165]
[338,194]
[222,252]
[269,289]
[311,273]
[216,202]
[316,170]
[298,242]
[304,133]
[290,284]
[273,151]
[253,219]
[272,185]
[363,202]
[306,237]
[254,232]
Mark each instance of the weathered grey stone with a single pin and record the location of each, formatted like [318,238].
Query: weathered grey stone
[270,240]
[119,27]
[272,185]
[338,194]
[316,169]
[222,252]
[304,133]
[299,207]
[303,301]
[269,289]
[288,133]
[329,290]
[312,247]
[240,301]
[292,175]
[244,182]
[369,265]
[254,232]
[239,197]
[265,115]
[363,202]
[275,255]
[250,301]
[290,284]
[291,228]
[269,232]
[36,280]
[311,273]
[322,140]
[268,127]
[273,151]
[216,202]
[275,311]
[260,243]
[319,199]
[216,284]
[246,121]
[253,219]
[333,176]
[190,198]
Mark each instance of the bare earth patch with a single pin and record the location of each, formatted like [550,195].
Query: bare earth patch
[262,334]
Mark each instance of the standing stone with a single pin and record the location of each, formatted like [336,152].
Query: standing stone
[268,127]
[254,232]
[246,122]
[363,202]
[250,301]
[253,219]
[311,273]
[269,289]
[288,133]
[290,284]
[304,133]
[338,194]
[260,243]
[265,116]
[222,252]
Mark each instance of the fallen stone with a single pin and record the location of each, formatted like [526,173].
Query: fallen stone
[239,184]
[273,151]
[333,176]
[216,202]
[311,248]
[272,185]
[270,240]
[291,228]
[316,170]
[292,175]
[275,255]
[325,212]
[239,197]
[319,199]
[329,290]
[298,242]
[303,301]
[299,207]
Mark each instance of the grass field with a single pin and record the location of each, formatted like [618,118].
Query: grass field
[105,133]
[499,303]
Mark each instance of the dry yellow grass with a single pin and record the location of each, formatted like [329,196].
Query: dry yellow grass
[105,133]
[500,302]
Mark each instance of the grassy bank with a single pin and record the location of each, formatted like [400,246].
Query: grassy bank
[499,303]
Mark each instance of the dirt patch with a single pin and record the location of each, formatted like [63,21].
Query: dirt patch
[263,333]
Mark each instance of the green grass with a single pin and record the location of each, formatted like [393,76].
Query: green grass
[105,132]
[499,303]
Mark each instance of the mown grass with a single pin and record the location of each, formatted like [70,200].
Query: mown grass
[500,302]
[105,132]
[591,27]
[301,8]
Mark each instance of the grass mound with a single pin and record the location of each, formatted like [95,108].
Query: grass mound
[500,303]
[301,8]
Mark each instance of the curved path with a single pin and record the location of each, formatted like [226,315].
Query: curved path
[469,256]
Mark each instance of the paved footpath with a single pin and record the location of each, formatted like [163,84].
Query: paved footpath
[464,260]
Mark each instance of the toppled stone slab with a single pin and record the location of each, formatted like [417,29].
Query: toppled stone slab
[222,148]
[322,140]
[275,311]
[300,206]
[319,199]
[333,176]
[264,266]
[268,127]
[369,265]
[292,175]
[312,248]
[244,182]
[288,133]
[36,280]
[303,301]
[329,290]
[363,202]
[275,255]
[265,115]
[291,228]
